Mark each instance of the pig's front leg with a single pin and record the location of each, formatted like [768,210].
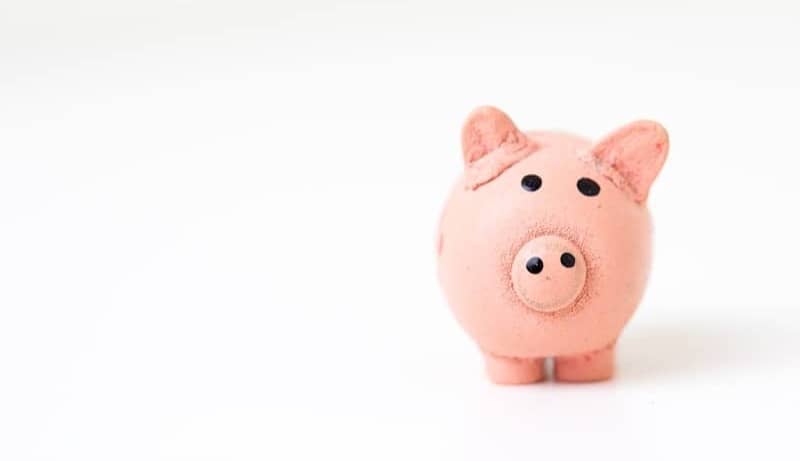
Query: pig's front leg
[591,366]
[512,370]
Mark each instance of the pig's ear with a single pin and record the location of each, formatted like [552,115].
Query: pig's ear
[634,154]
[491,143]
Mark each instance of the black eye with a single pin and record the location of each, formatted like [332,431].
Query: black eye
[588,187]
[534,265]
[567,260]
[531,182]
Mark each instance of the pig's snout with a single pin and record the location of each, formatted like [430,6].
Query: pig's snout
[548,273]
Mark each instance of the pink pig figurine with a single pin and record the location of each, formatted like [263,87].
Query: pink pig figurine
[544,244]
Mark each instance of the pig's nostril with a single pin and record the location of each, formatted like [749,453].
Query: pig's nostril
[567,260]
[534,265]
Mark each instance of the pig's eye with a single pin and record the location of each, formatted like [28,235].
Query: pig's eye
[588,187]
[531,182]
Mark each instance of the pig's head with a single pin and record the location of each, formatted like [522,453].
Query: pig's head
[548,224]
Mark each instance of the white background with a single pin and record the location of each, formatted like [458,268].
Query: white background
[217,224]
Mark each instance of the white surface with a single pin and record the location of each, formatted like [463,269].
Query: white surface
[217,221]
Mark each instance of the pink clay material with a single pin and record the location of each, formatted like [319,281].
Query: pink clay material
[552,266]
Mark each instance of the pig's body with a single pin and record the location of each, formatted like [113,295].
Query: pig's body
[548,266]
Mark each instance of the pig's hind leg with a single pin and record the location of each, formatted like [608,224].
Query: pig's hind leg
[513,370]
[591,366]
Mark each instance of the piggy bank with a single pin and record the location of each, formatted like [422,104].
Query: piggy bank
[544,244]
